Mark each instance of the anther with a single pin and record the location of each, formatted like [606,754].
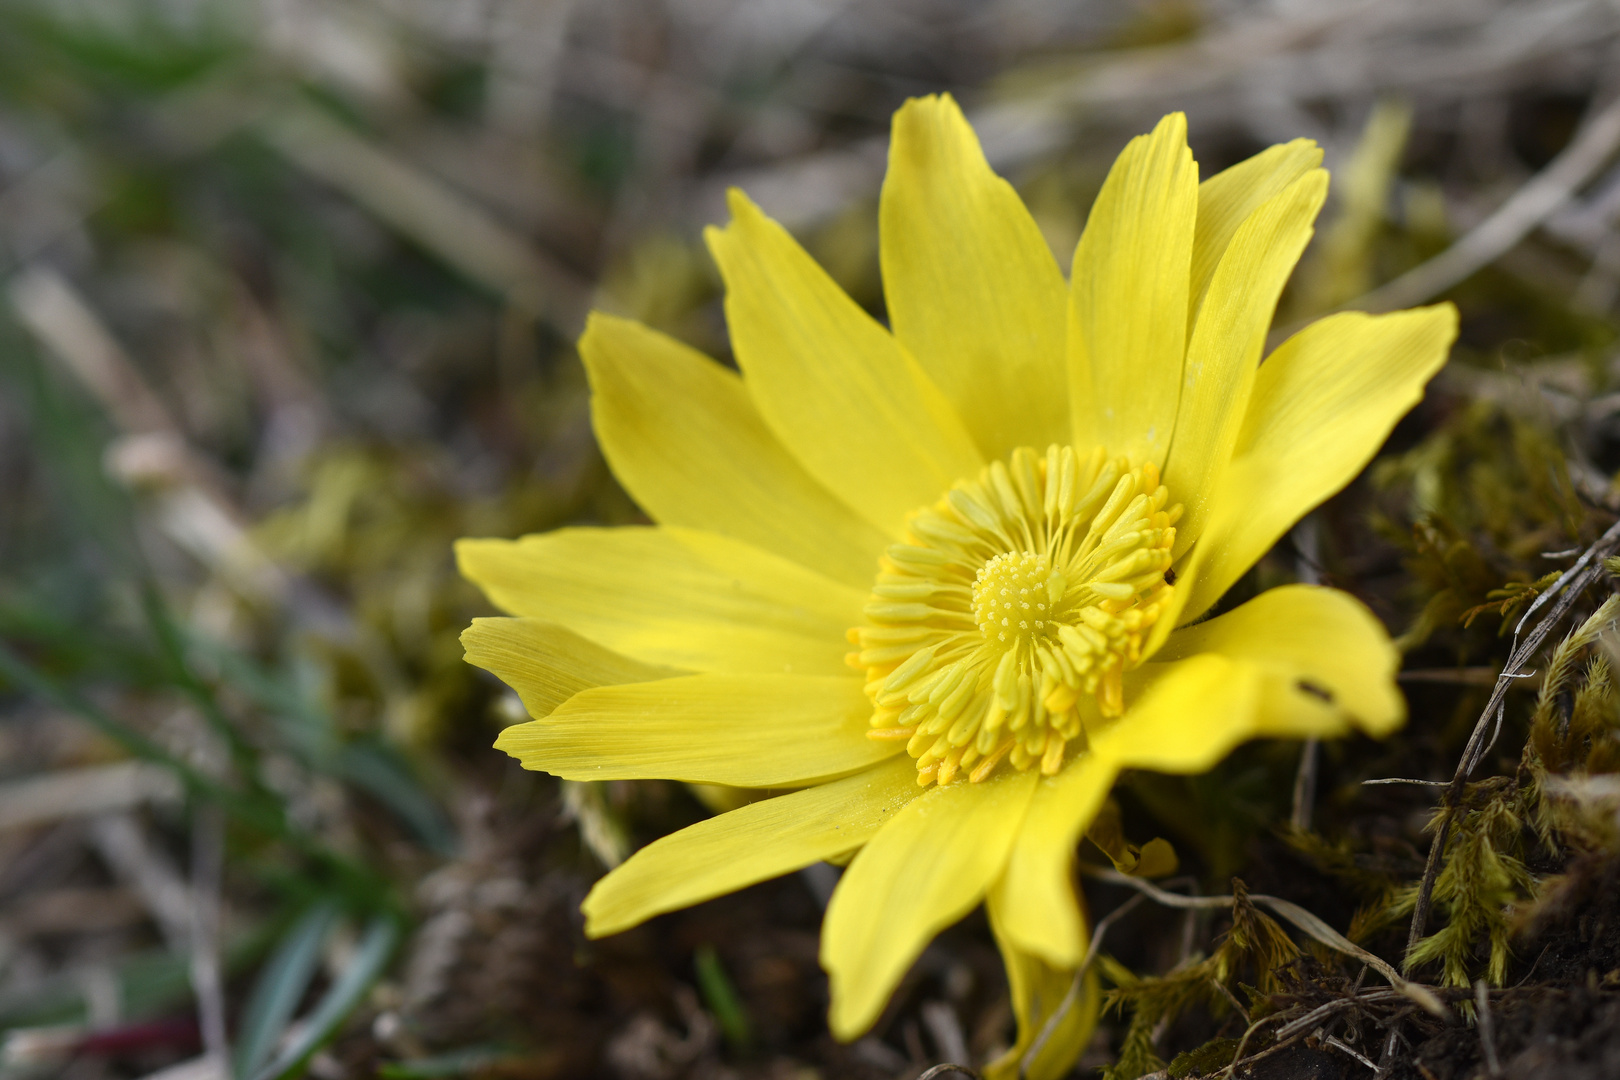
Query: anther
[1016,599]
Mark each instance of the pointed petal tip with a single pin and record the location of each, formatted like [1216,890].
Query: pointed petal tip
[851,1014]
[1172,125]
[740,205]
[1300,145]
[1448,313]
[743,212]
[749,224]
[592,340]
[941,102]
[597,925]
[934,136]
[912,106]
[503,742]
[599,325]
[468,551]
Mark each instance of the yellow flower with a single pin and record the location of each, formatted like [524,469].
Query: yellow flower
[942,578]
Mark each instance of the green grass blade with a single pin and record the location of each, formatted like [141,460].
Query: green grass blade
[254,808]
[722,999]
[469,1061]
[339,1002]
[280,987]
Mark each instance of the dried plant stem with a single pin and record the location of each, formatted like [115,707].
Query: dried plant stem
[941,1070]
[1301,918]
[1072,997]
[207,871]
[1304,920]
[1487,1037]
[1562,595]
[458,230]
[1529,206]
[1349,1051]
[1310,754]
[1299,1027]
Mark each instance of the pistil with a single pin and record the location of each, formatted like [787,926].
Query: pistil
[1012,608]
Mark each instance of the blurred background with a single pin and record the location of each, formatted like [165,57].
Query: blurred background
[288,291]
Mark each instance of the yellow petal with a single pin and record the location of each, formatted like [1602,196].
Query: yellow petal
[1328,658]
[1036,891]
[686,442]
[1189,569]
[1322,405]
[546,664]
[1128,297]
[671,596]
[1227,199]
[1185,716]
[973,291]
[836,387]
[1038,991]
[759,841]
[925,869]
[746,730]
[1227,340]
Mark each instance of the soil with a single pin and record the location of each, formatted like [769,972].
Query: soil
[500,960]
[1539,1032]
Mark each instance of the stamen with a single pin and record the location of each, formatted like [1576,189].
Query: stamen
[1012,610]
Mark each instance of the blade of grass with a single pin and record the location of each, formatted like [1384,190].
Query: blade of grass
[89,654]
[259,813]
[171,643]
[340,1000]
[369,764]
[21,675]
[469,1061]
[280,987]
[70,432]
[722,999]
[151,984]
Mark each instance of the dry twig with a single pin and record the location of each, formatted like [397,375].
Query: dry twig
[1530,206]
[1567,589]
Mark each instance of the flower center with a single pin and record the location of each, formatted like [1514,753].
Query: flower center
[1010,606]
[1013,596]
